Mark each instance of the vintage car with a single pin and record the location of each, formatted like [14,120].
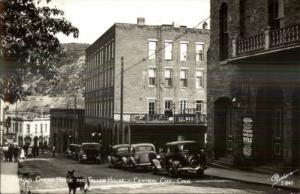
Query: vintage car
[69,153]
[180,157]
[90,152]
[117,152]
[140,156]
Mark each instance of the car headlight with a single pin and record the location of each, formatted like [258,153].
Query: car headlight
[83,156]
[98,157]
[176,162]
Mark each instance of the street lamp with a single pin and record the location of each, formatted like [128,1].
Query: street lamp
[93,135]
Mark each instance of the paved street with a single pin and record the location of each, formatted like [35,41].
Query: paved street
[47,175]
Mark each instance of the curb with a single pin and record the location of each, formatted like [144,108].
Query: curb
[294,189]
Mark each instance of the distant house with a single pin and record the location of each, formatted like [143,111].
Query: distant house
[28,128]
[67,126]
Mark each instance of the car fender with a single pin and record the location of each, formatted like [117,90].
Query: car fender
[132,160]
[124,161]
[156,163]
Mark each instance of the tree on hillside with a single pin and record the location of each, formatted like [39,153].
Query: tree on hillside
[28,42]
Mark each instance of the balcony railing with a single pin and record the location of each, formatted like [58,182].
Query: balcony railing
[285,36]
[270,39]
[250,44]
[196,118]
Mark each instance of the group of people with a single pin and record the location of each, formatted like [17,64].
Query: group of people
[12,153]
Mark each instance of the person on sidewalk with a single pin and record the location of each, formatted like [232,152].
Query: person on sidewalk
[16,151]
[10,153]
[53,151]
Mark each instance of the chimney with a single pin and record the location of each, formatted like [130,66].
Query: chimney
[140,21]
[204,26]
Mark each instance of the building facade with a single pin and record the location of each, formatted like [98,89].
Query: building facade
[253,82]
[164,78]
[67,126]
[28,128]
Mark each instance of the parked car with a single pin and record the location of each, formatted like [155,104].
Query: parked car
[90,152]
[180,157]
[140,156]
[76,152]
[117,152]
[69,153]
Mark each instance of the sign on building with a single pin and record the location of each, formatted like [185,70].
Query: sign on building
[247,136]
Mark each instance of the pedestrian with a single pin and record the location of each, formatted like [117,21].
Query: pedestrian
[37,150]
[53,151]
[22,154]
[10,153]
[16,151]
[33,151]
[5,151]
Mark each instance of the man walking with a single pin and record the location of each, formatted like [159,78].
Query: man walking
[53,151]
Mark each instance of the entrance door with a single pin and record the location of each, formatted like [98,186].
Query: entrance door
[269,125]
[277,126]
[223,137]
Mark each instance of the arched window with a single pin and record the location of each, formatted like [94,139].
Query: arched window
[223,32]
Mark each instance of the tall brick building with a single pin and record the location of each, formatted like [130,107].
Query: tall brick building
[254,82]
[164,82]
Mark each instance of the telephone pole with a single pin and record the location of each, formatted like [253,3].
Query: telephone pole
[122,98]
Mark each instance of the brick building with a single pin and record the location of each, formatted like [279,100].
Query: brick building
[67,126]
[161,85]
[253,82]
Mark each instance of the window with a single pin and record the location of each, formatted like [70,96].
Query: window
[199,52]
[46,128]
[168,105]
[28,128]
[199,79]
[168,50]
[41,128]
[36,128]
[152,50]
[183,51]
[168,77]
[151,75]
[276,13]
[223,32]
[183,77]
[151,109]
[183,106]
[199,105]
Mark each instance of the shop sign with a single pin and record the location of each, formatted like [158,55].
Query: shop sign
[247,136]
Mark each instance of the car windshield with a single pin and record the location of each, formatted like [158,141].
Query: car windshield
[186,147]
[122,149]
[91,147]
[144,148]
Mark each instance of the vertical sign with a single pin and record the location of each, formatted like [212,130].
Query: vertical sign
[247,136]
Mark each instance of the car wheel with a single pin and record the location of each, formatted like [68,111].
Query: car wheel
[172,172]
[154,169]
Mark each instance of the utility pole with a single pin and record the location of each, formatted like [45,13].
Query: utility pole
[74,118]
[121,99]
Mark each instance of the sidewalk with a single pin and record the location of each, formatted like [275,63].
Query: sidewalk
[9,182]
[284,180]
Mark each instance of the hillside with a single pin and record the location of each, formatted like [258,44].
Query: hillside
[67,82]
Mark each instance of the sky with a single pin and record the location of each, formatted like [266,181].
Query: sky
[94,17]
